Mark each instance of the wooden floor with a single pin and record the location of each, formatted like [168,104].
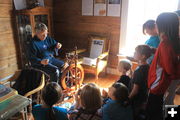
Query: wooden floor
[104,81]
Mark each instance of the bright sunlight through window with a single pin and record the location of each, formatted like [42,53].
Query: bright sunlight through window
[140,11]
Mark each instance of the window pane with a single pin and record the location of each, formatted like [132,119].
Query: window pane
[140,11]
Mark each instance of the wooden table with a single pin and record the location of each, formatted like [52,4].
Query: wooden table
[13,105]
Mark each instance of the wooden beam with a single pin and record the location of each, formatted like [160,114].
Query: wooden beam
[6,10]
[6,25]
[6,2]
[8,71]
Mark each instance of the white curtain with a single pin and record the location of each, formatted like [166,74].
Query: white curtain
[138,12]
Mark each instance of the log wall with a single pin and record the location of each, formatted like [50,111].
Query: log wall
[8,49]
[71,28]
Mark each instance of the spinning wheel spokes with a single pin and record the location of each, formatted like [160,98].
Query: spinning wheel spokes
[72,78]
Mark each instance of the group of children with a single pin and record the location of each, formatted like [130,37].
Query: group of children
[89,104]
[135,97]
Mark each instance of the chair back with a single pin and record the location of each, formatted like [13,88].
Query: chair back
[96,59]
[98,44]
[28,80]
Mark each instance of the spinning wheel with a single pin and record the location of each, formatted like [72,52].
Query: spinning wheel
[73,74]
[72,77]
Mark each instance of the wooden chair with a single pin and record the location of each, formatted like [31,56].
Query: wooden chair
[29,94]
[94,59]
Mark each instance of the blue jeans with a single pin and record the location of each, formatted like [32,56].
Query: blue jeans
[53,68]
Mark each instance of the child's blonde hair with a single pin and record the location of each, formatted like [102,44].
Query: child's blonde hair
[125,63]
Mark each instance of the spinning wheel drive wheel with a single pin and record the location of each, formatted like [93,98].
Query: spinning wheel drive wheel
[68,77]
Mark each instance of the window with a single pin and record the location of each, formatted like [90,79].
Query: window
[137,12]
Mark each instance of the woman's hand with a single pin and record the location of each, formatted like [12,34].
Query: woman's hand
[59,45]
[77,98]
[104,93]
[45,61]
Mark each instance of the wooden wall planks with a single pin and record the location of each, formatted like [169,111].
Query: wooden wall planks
[6,2]
[48,3]
[70,27]
[8,49]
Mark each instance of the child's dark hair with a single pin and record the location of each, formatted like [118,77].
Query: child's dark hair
[144,50]
[51,94]
[121,93]
[168,24]
[150,24]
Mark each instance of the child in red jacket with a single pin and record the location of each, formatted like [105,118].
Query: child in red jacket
[165,66]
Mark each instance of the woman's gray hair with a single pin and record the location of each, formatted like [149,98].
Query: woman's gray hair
[40,27]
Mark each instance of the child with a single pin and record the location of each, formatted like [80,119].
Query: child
[150,29]
[170,93]
[88,101]
[139,92]
[166,63]
[51,94]
[124,66]
[117,107]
